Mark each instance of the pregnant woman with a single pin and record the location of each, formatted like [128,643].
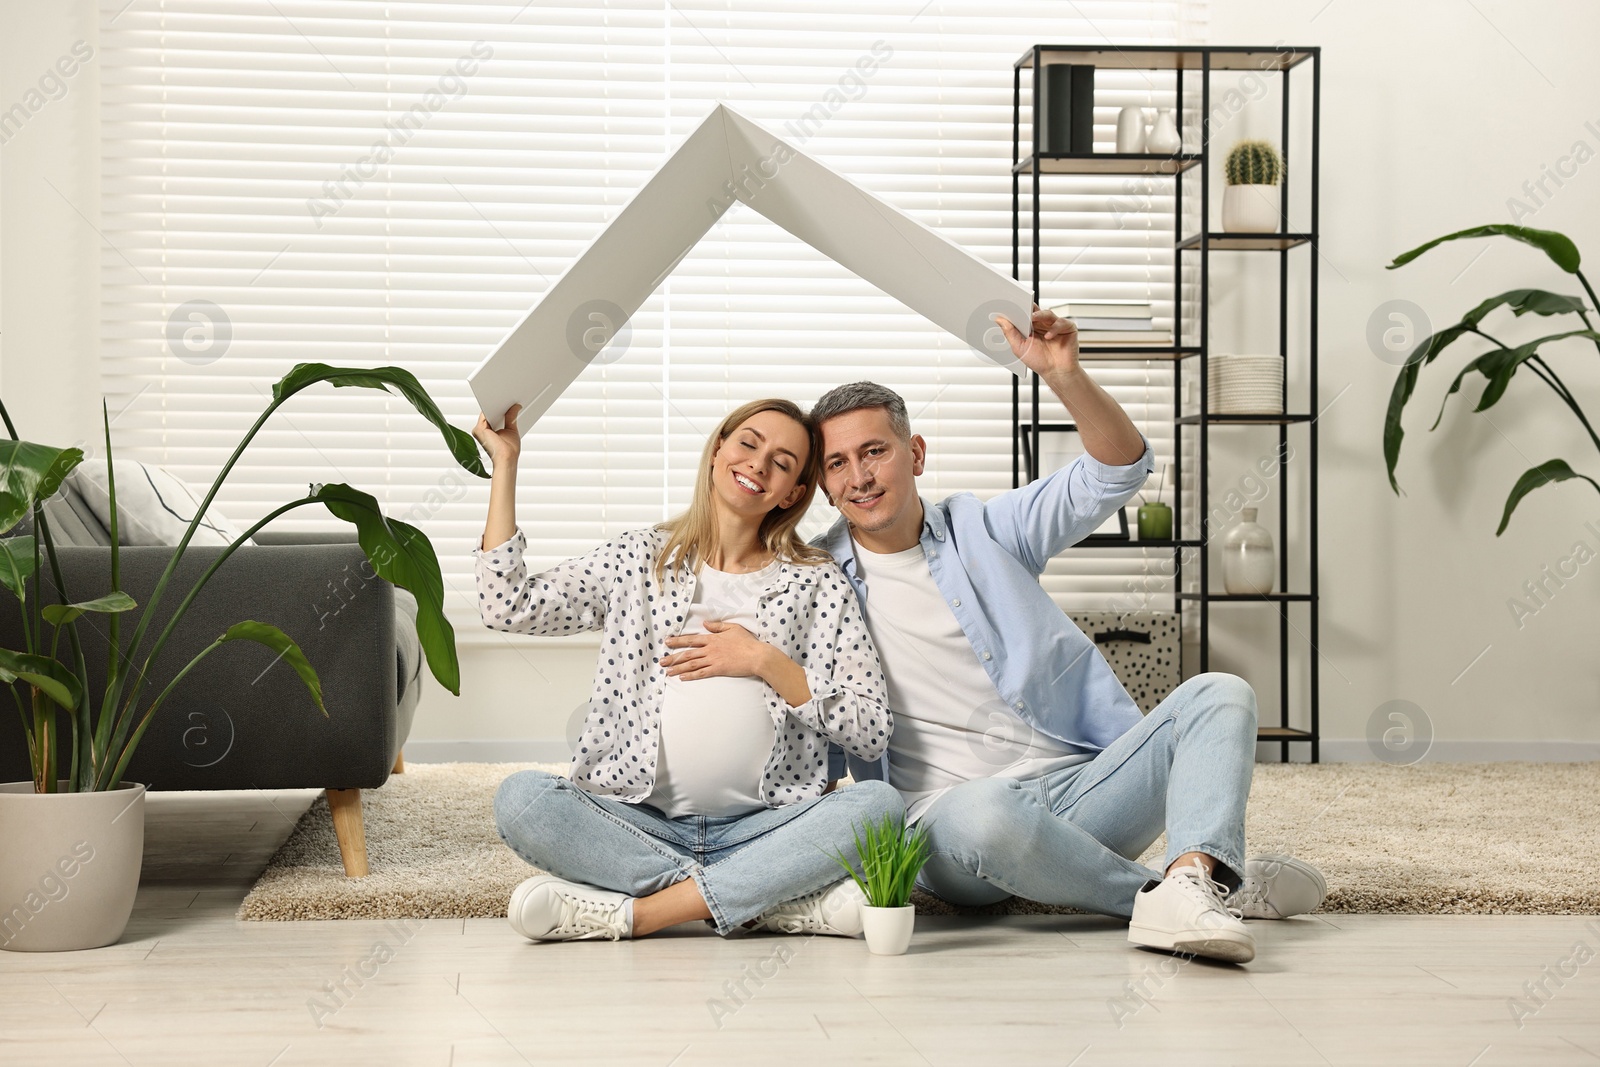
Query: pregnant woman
[732,654]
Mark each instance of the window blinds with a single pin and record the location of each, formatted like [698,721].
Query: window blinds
[365,183]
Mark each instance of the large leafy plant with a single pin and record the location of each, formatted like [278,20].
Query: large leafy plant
[1501,363]
[105,728]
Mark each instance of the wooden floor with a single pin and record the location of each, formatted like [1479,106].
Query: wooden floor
[189,985]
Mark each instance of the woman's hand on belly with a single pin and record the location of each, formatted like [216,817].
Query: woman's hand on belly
[729,650]
[726,650]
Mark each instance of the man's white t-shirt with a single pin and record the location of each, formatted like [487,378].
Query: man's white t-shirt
[950,726]
[716,733]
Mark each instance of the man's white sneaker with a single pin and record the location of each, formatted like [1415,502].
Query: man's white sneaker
[1185,913]
[1276,887]
[547,908]
[834,910]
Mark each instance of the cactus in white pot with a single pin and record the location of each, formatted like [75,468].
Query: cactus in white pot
[1253,201]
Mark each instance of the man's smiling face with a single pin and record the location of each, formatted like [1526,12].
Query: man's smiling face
[870,474]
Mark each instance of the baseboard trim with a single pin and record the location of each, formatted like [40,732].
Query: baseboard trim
[1334,750]
[1356,750]
[487,752]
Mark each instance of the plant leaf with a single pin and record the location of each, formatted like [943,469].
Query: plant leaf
[30,473]
[1524,302]
[17,564]
[462,444]
[402,554]
[112,602]
[1426,351]
[1499,365]
[1546,473]
[263,633]
[1562,252]
[49,676]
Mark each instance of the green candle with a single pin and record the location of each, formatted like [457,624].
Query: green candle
[1155,522]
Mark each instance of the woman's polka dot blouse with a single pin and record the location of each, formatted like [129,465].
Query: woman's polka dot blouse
[808,612]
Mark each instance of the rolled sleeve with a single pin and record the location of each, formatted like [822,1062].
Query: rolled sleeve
[1037,520]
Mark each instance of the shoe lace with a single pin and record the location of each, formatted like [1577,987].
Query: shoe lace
[1214,892]
[798,916]
[583,918]
[1251,892]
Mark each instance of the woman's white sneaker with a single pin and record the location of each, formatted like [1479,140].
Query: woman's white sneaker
[547,908]
[1276,887]
[835,910]
[1185,913]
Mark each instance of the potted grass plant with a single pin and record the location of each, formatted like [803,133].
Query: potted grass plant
[72,838]
[1253,199]
[891,858]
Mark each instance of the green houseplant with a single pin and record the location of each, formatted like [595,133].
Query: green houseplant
[1252,202]
[50,682]
[891,858]
[1502,361]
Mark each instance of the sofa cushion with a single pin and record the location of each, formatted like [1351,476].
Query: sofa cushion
[154,507]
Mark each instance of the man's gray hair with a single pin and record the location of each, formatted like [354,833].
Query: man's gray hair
[843,399]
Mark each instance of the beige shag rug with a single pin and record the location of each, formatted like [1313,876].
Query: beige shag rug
[1486,838]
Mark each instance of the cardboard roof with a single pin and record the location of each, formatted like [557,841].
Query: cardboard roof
[730,159]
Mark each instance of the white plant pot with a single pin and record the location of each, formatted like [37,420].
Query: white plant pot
[1252,208]
[888,930]
[71,866]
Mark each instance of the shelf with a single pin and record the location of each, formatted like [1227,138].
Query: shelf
[1183,75]
[1108,163]
[1245,596]
[1243,420]
[1136,543]
[1247,242]
[1165,57]
[1123,353]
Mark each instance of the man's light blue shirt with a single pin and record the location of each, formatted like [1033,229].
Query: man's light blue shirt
[986,559]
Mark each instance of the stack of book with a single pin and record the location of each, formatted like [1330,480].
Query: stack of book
[1114,322]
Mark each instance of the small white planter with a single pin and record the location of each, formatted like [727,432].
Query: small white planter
[71,866]
[888,930]
[1252,208]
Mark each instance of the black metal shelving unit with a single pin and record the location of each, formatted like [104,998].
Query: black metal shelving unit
[1182,62]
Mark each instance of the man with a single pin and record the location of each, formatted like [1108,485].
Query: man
[1013,739]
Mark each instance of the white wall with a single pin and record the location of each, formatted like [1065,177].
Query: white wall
[49,211]
[1433,115]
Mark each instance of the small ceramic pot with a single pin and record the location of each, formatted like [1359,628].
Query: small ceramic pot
[1252,208]
[888,930]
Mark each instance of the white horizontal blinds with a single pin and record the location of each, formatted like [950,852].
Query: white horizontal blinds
[329,178]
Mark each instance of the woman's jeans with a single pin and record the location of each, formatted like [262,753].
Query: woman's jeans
[742,864]
[1071,837]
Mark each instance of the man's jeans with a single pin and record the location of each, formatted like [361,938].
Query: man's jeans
[1071,837]
[742,864]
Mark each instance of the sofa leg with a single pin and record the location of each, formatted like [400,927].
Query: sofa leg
[400,762]
[345,804]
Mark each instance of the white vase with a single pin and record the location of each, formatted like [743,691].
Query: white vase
[1248,561]
[888,930]
[1130,130]
[1163,139]
[71,866]
[1252,208]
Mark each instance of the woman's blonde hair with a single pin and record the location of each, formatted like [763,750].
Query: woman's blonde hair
[693,535]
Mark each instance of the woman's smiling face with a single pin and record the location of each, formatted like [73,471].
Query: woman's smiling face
[759,465]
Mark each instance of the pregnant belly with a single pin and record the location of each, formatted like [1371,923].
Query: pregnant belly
[716,737]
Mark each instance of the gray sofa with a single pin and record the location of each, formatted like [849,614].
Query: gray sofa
[241,720]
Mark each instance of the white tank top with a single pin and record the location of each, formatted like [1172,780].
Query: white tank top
[716,733]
